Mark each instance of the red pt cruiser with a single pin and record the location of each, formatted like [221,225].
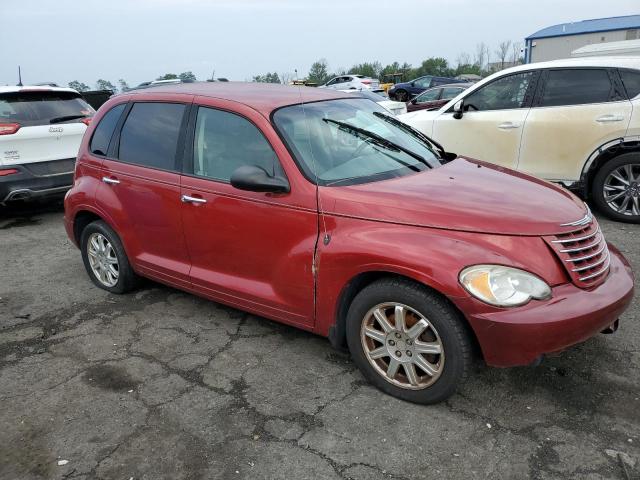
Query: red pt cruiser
[319,210]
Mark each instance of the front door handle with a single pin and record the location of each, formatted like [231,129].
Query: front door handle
[609,118]
[188,199]
[508,126]
[110,181]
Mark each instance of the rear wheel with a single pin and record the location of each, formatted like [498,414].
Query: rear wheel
[105,259]
[408,341]
[616,188]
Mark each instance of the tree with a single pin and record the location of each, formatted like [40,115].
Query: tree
[124,86]
[267,78]
[187,76]
[516,51]
[502,52]
[105,85]
[79,86]
[368,69]
[286,77]
[168,76]
[319,72]
[482,55]
[434,66]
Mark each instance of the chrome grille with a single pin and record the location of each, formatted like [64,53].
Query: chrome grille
[584,254]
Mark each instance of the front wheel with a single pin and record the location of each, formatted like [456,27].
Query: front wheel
[616,188]
[408,341]
[402,96]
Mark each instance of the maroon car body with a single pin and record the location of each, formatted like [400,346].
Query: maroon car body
[300,256]
[436,97]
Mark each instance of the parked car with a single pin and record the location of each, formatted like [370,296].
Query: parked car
[397,108]
[40,132]
[322,211]
[436,97]
[403,92]
[573,121]
[352,82]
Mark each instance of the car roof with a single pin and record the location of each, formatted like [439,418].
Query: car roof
[263,97]
[626,61]
[34,88]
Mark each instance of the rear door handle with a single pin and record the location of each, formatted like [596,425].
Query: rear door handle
[188,199]
[111,181]
[508,126]
[609,118]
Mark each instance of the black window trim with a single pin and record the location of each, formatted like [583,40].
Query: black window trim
[619,76]
[613,91]
[529,94]
[114,145]
[187,157]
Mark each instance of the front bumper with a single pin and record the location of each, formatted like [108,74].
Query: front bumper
[36,180]
[519,336]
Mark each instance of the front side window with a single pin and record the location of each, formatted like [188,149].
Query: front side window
[224,141]
[501,94]
[104,130]
[350,141]
[424,82]
[576,87]
[429,96]
[149,136]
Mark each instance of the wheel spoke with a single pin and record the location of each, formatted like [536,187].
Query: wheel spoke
[636,206]
[624,204]
[94,244]
[432,348]
[410,371]
[415,331]
[379,353]
[112,260]
[611,198]
[393,368]
[399,318]
[112,271]
[614,187]
[628,169]
[618,177]
[375,334]
[421,363]
[382,320]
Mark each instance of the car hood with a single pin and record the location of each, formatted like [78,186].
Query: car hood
[466,195]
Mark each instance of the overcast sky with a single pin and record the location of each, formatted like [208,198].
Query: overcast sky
[138,40]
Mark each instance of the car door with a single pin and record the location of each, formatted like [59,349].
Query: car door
[140,189]
[490,128]
[249,249]
[331,83]
[425,100]
[576,110]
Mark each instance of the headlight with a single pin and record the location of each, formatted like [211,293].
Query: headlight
[503,286]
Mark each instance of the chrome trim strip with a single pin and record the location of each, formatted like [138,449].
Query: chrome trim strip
[599,272]
[583,221]
[587,267]
[587,257]
[577,239]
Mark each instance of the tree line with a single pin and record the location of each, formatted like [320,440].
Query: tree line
[123,86]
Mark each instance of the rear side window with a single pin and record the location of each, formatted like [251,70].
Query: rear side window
[104,130]
[149,136]
[32,108]
[225,141]
[631,80]
[576,87]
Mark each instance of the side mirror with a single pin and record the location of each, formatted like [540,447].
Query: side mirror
[458,109]
[256,179]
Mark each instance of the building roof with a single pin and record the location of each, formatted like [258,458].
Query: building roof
[263,97]
[588,26]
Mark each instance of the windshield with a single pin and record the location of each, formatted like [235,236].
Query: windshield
[30,108]
[343,142]
[376,97]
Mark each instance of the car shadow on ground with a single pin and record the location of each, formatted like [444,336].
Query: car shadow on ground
[22,214]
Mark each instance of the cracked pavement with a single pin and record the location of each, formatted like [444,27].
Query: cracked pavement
[160,384]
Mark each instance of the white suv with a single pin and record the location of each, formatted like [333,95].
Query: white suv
[573,121]
[40,133]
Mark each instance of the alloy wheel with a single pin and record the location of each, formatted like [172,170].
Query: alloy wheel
[622,189]
[103,260]
[402,345]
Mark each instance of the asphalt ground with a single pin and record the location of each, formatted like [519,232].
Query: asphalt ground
[160,384]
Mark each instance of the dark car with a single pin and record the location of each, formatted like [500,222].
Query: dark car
[404,91]
[436,97]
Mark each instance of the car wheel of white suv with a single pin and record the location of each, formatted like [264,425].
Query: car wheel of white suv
[616,188]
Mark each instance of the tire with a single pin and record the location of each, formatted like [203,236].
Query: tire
[605,187]
[402,96]
[104,236]
[446,329]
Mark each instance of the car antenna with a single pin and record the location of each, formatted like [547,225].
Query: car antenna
[19,77]
[326,238]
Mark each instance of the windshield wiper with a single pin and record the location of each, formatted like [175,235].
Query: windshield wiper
[377,139]
[66,118]
[412,131]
